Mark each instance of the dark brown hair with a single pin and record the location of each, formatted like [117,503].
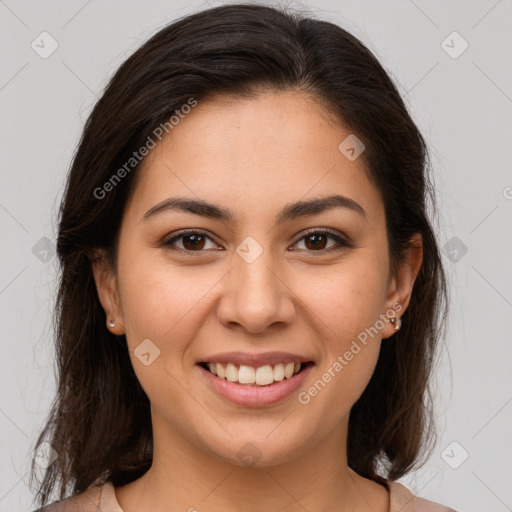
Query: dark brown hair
[100,423]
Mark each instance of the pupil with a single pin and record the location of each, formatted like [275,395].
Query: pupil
[195,243]
[316,236]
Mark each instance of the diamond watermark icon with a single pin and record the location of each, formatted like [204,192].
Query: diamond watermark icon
[44,45]
[146,352]
[454,45]
[44,250]
[455,249]
[249,454]
[454,455]
[45,455]
[351,147]
[249,250]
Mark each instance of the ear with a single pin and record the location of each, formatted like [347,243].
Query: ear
[106,286]
[401,284]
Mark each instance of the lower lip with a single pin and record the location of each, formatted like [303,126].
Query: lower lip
[256,396]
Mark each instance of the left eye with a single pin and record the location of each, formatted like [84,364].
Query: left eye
[194,241]
[319,238]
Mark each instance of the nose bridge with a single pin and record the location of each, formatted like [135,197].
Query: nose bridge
[256,298]
[256,280]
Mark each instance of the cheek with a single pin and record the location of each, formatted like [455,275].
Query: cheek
[344,305]
[163,304]
[345,298]
[160,301]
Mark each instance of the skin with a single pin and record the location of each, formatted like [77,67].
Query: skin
[252,156]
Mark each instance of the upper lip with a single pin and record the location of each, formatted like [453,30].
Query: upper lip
[255,360]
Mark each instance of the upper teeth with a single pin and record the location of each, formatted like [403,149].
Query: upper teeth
[263,375]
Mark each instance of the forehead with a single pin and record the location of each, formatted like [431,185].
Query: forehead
[254,155]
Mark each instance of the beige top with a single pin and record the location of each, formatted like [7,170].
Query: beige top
[102,498]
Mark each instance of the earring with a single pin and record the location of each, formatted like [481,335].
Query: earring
[111,324]
[397,322]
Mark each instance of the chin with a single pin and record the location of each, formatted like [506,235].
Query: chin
[257,451]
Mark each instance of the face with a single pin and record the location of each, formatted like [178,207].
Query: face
[313,283]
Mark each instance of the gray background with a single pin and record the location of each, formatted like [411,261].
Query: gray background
[462,105]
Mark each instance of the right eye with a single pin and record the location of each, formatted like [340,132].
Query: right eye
[191,240]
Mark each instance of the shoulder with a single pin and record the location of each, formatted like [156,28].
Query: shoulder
[87,501]
[403,500]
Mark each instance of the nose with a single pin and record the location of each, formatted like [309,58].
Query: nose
[255,296]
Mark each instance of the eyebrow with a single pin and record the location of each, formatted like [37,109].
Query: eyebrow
[290,212]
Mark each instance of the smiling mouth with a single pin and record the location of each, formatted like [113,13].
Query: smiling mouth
[266,375]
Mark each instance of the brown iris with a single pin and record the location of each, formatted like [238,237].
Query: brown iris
[196,243]
[316,243]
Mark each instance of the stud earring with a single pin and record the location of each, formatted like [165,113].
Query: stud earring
[397,322]
[111,324]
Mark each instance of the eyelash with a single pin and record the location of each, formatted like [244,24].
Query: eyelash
[342,243]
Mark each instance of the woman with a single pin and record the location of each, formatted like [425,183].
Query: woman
[251,292]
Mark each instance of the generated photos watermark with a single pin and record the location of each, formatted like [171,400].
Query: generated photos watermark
[341,361]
